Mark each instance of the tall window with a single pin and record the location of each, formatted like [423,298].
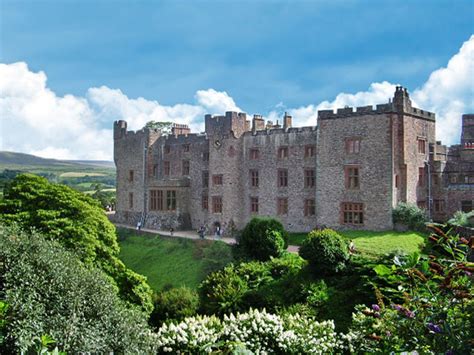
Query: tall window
[156,200]
[166,168]
[205,178]
[397,181]
[155,170]
[282,206]
[309,151]
[217,179]
[130,175]
[421,176]
[352,177]
[421,146]
[309,178]
[352,213]
[309,207]
[352,145]
[185,147]
[254,204]
[254,178]
[205,202]
[283,153]
[438,206]
[205,156]
[421,204]
[254,153]
[130,200]
[185,167]
[171,200]
[282,177]
[217,204]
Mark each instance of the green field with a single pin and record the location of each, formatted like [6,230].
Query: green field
[376,243]
[166,261]
[80,174]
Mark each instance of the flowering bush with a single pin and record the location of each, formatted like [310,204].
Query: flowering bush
[429,301]
[256,331]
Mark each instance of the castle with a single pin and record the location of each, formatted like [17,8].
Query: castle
[348,172]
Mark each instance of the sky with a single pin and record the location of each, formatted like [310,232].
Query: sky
[68,69]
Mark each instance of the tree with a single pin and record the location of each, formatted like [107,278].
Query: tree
[165,127]
[263,238]
[48,292]
[76,221]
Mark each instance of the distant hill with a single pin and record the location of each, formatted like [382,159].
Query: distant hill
[22,161]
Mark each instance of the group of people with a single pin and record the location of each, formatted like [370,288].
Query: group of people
[218,232]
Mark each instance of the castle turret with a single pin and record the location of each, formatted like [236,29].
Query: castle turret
[401,100]
[120,129]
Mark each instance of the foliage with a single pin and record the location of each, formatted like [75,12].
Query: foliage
[462,219]
[253,284]
[78,223]
[424,302]
[49,291]
[106,198]
[326,251]
[174,304]
[263,238]
[251,332]
[165,127]
[410,215]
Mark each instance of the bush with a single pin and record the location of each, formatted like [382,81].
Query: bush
[326,251]
[49,291]
[410,215]
[77,222]
[174,304]
[462,219]
[263,238]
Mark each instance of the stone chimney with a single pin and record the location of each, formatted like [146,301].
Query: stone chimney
[287,121]
[258,123]
[179,129]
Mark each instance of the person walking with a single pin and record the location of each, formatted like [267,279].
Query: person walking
[201,232]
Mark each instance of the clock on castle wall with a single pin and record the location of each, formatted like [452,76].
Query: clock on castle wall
[217,143]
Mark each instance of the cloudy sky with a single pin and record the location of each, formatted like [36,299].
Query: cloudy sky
[69,69]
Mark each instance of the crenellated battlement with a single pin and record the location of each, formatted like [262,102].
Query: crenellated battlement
[275,131]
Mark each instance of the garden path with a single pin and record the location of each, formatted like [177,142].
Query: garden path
[191,234]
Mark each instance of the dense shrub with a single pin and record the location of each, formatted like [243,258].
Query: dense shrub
[253,284]
[263,238]
[77,222]
[326,251]
[174,304]
[410,215]
[48,291]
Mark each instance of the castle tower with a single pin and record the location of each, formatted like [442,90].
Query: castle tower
[401,100]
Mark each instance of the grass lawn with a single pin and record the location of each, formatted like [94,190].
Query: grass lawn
[376,243]
[165,261]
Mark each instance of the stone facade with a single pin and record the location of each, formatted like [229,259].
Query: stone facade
[349,172]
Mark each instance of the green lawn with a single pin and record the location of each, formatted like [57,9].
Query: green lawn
[166,261]
[376,243]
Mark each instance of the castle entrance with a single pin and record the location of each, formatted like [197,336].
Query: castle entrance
[217,228]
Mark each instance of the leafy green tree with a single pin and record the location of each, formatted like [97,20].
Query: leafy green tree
[78,222]
[47,293]
[326,251]
[410,215]
[165,127]
[263,238]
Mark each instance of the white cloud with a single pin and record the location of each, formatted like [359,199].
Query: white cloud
[70,127]
[36,120]
[216,102]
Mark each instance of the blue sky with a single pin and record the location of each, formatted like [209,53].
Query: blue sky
[261,53]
